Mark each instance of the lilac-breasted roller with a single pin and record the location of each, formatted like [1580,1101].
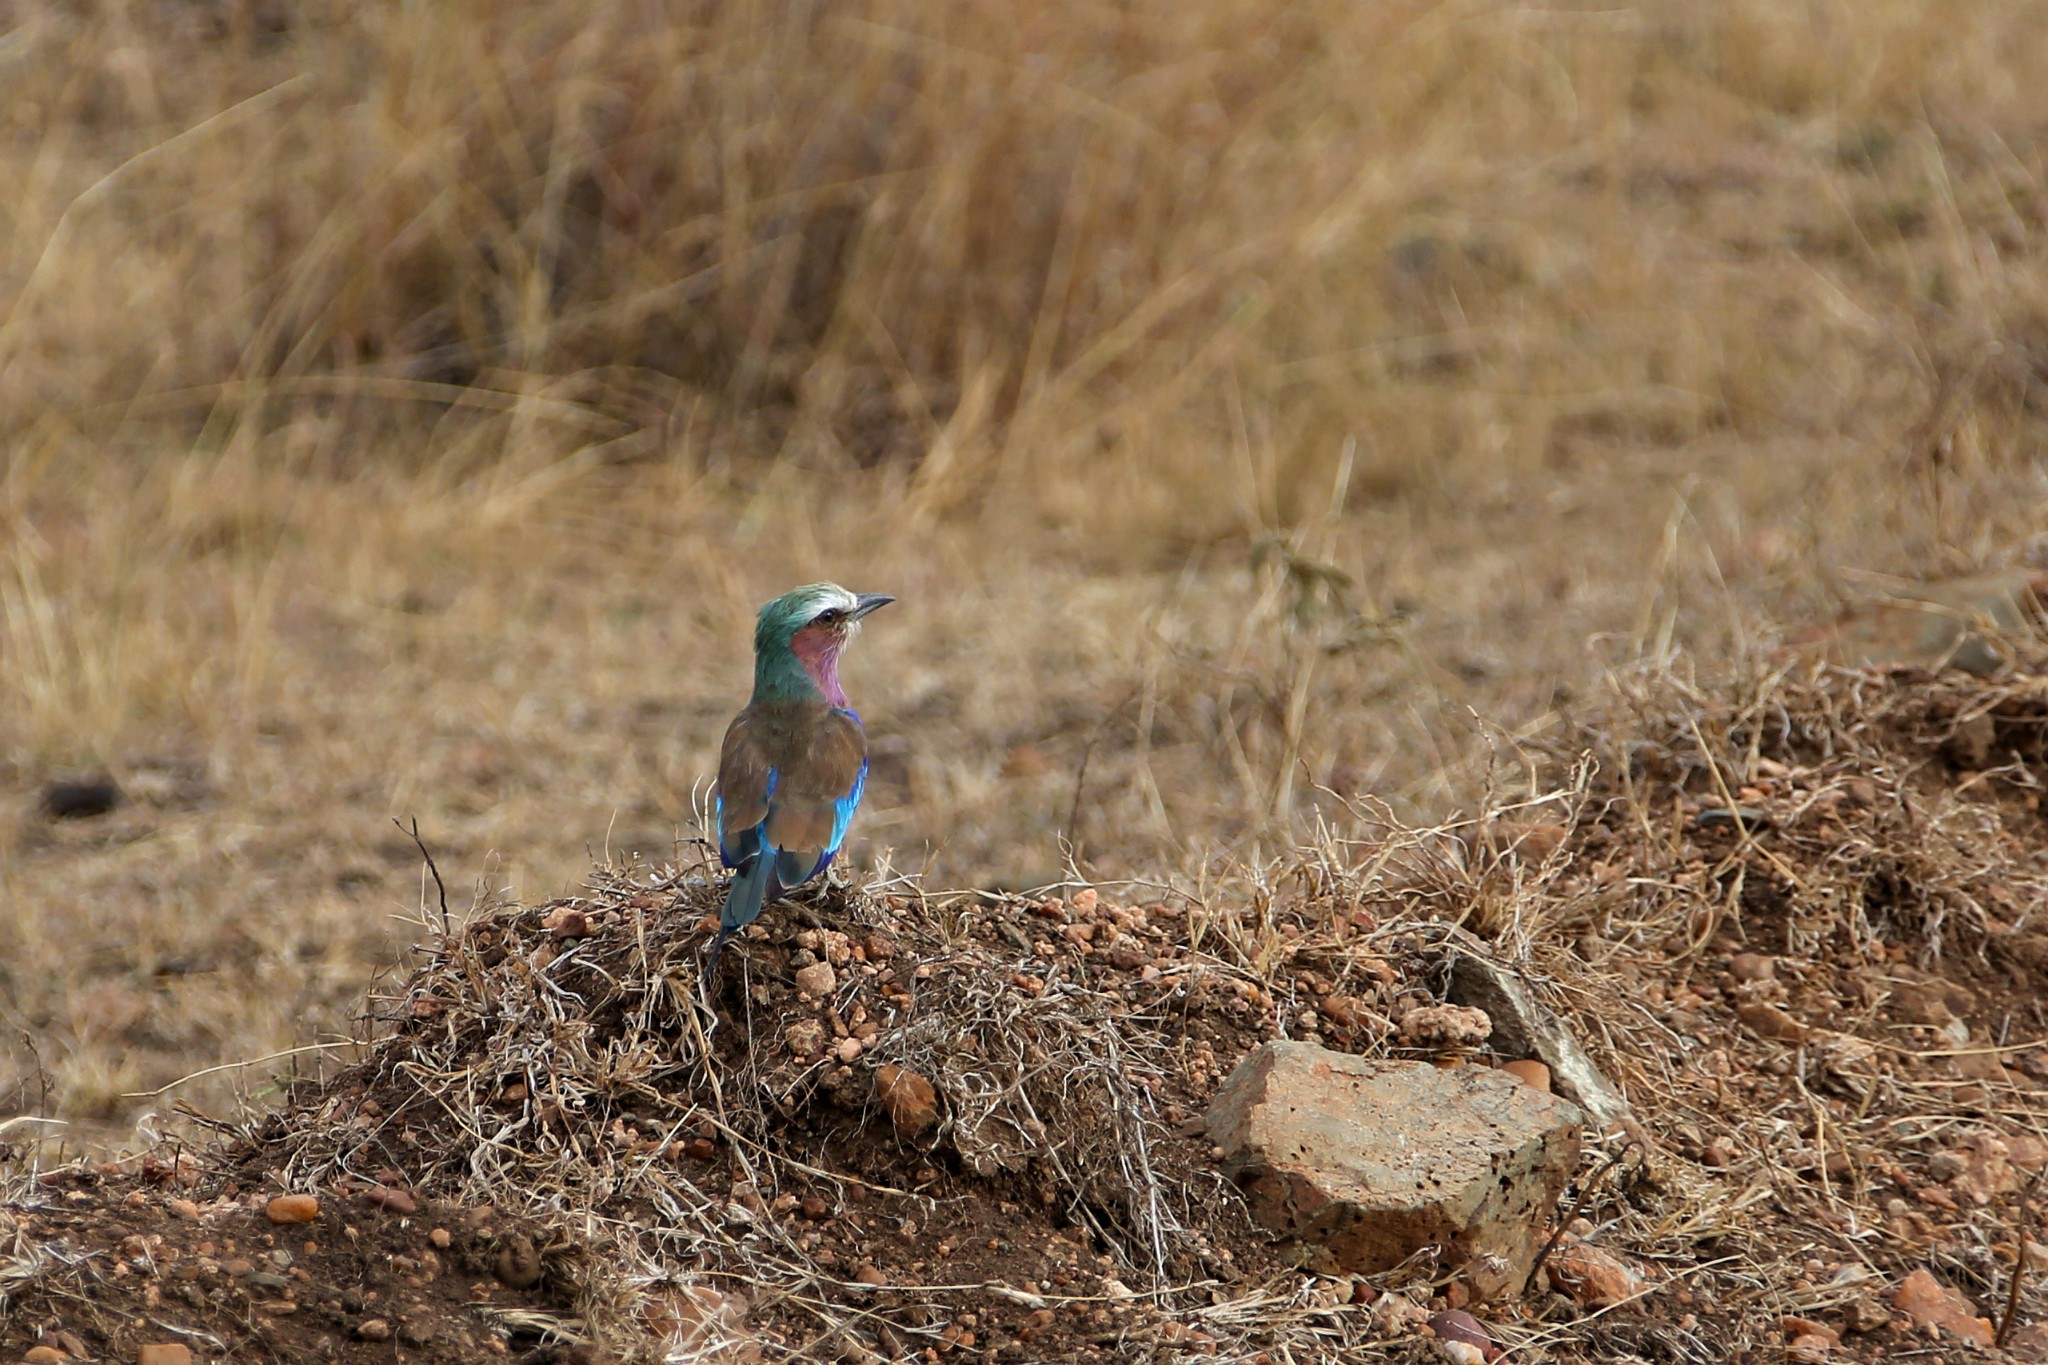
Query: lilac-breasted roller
[794,761]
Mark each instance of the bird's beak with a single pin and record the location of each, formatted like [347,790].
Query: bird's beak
[868,601]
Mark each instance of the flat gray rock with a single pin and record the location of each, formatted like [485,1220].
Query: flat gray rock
[1524,1027]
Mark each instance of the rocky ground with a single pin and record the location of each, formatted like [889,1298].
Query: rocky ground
[1775,946]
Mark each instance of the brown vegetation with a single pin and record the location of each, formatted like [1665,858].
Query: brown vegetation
[1797,921]
[402,410]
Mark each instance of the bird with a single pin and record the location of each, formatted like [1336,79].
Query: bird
[795,759]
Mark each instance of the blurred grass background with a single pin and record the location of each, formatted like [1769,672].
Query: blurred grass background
[403,409]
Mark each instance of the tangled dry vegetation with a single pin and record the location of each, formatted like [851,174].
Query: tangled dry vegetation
[1794,918]
[402,410]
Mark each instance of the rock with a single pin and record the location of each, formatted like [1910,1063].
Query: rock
[1346,1011]
[1461,1338]
[1865,1314]
[374,1329]
[566,922]
[292,1208]
[1843,1053]
[1752,967]
[518,1264]
[816,980]
[397,1201]
[848,1050]
[1809,1349]
[1446,1026]
[1591,1276]
[806,1037]
[44,1355]
[1529,1072]
[1979,1066]
[690,1314]
[1768,1021]
[1936,1004]
[1796,1327]
[1929,1303]
[1978,1169]
[2029,1343]
[1971,744]
[2026,1151]
[164,1353]
[1361,1162]
[1396,1315]
[869,1275]
[1523,1025]
[912,1104]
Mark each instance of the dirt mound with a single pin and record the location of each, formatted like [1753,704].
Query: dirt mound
[1795,920]
[886,1118]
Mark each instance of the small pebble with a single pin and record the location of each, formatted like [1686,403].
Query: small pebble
[292,1208]
[1752,967]
[397,1201]
[518,1264]
[374,1329]
[806,1037]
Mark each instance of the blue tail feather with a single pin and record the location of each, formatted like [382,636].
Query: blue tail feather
[752,888]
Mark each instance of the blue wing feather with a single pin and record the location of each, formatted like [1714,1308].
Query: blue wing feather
[737,849]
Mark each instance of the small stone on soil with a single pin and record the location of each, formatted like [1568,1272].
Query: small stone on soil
[1446,1026]
[292,1208]
[909,1098]
[518,1264]
[1931,1304]
[397,1201]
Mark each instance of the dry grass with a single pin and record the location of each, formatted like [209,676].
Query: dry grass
[402,410]
[563,1078]
[1800,1139]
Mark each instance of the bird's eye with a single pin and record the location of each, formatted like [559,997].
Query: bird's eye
[829,615]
